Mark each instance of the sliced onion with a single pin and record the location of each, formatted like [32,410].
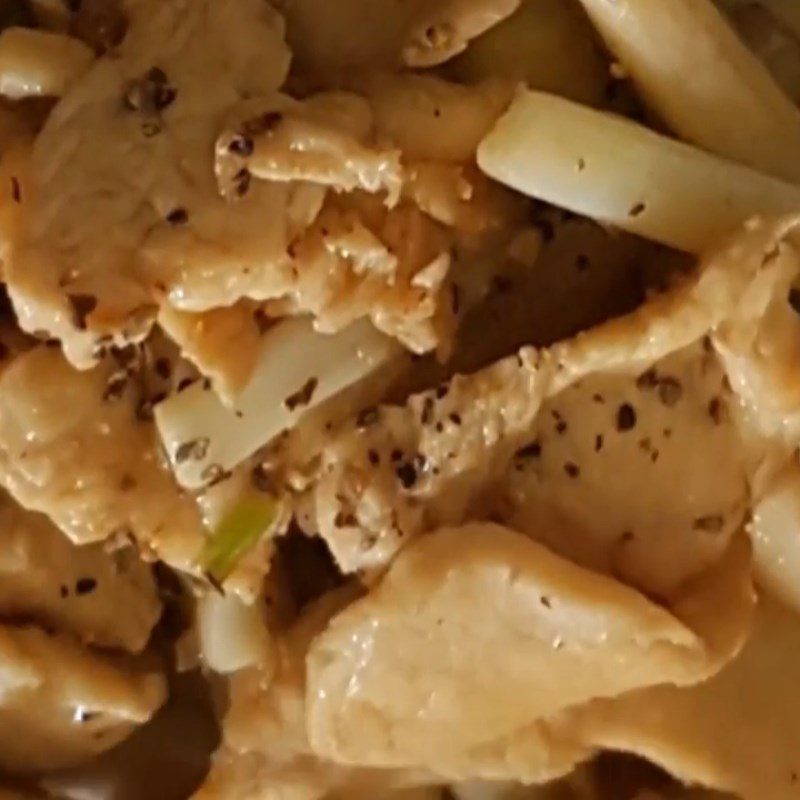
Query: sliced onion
[297,370]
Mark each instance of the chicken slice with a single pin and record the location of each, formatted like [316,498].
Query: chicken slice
[223,343]
[108,600]
[446,28]
[324,140]
[396,471]
[359,35]
[735,732]
[265,751]
[430,119]
[79,447]
[640,474]
[400,678]
[61,704]
[121,208]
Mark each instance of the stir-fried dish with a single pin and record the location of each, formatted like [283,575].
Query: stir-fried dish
[399,399]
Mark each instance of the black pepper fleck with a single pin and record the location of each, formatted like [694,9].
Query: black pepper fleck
[85,586]
[178,216]
[711,523]
[598,443]
[637,209]
[426,417]
[241,145]
[532,450]
[374,457]
[626,417]
[195,449]
[717,410]
[82,306]
[303,396]
[406,474]
[241,182]
[573,470]
[16,192]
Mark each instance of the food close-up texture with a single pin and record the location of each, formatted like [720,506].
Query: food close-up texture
[399,399]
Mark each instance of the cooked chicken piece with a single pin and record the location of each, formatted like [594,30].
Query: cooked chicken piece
[357,34]
[265,751]
[359,259]
[549,45]
[397,471]
[640,475]
[430,119]
[718,607]
[62,704]
[400,678]
[134,227]
[109,600]
[222,343]
[39,63]
[446,28]
[122,208]
[735,732]
[324,140]
[79,447]
[760,348]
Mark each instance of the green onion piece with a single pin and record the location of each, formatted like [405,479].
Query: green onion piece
[237,533]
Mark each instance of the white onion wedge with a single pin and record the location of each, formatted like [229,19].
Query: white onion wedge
[621,173]
[297,369]
[700,77]
[232,635]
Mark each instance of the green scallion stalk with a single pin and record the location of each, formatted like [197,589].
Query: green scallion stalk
[237,533]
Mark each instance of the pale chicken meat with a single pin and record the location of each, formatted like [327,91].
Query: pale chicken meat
[62,704]
[431,489]
[400,678]
[142,218]
[126,155]
[357,34]
[222,343]
[79,447]
[697,735]
[679,490]
[103,599]
[265,750]
[394,472]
